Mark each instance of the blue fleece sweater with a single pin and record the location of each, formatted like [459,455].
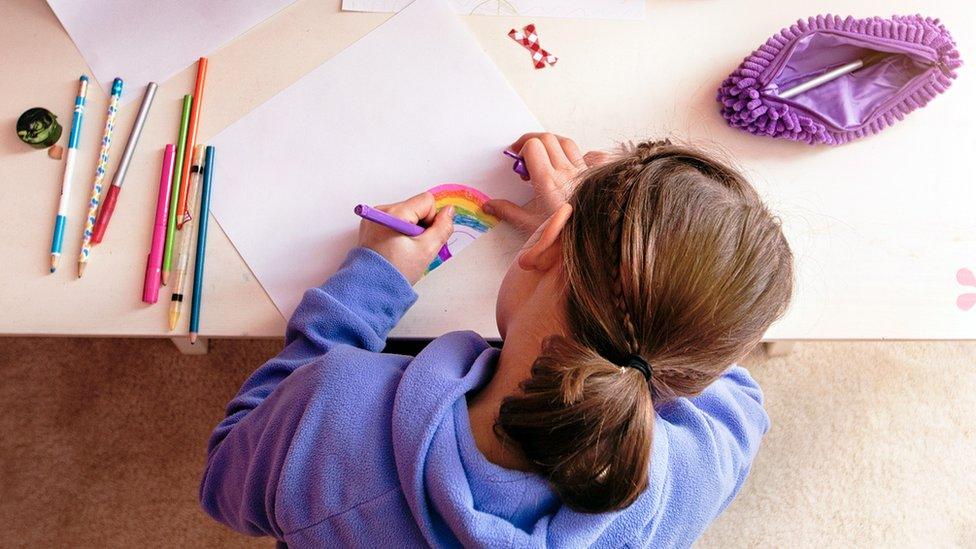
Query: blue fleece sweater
[333,443]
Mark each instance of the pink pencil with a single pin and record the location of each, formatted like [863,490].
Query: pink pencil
[154,265]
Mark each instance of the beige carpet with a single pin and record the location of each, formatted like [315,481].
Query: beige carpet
[102,443]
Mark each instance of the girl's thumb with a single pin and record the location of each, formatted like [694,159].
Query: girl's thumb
[442,227]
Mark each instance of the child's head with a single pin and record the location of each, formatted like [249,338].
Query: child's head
[668,257]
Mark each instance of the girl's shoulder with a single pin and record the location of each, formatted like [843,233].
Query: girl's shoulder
[341,452]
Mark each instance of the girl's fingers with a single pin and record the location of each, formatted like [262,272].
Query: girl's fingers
[536,159]
[569,148]
[557,156]
[413,209]
[520,142]
[572,151]
[596,158]
[440,229]
[511,213]
[428,220]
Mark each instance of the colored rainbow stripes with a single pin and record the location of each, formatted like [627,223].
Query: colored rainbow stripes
[470,219]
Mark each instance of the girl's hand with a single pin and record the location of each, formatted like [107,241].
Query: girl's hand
[553,162]
[410,255]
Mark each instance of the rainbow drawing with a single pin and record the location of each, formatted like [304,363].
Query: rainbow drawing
[470,219]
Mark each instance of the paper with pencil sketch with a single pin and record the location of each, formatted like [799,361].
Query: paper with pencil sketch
[580,9]
[414,104]
[150,41]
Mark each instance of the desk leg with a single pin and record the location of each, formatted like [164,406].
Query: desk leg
[183,344]
[778,348]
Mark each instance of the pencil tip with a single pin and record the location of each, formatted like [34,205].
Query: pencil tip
[81,268]
[165,277]
[193,339]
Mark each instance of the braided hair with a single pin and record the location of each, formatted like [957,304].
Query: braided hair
[674,267]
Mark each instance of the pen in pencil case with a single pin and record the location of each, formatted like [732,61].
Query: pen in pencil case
[396,224]
[108,205]
[69,171]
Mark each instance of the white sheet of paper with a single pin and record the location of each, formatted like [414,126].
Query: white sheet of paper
[579,9]
[413,104]
[144,42]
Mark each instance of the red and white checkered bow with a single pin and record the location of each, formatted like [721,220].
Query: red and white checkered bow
[529,39]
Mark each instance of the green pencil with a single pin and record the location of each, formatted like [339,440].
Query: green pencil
[174,196]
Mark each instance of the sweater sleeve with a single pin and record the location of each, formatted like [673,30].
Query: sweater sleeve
[712,440]
[357,306]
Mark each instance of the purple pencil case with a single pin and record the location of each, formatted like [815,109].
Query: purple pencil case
[905,61]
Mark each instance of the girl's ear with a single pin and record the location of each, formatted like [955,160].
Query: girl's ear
[544,251]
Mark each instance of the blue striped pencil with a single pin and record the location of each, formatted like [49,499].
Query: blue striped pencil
[69,171]
[100,169]
[203,218]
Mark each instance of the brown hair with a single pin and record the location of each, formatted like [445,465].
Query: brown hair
[669,256]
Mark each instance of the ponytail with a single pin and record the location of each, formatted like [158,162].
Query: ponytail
[585,424]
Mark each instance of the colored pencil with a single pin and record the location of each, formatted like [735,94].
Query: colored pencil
[150,287]
[96,193]
[69,171]
[191,137]
[175,188]
[186,237]
[203,218]
[108,205]
[396,224]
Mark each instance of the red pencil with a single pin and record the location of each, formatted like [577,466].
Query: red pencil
[191,139]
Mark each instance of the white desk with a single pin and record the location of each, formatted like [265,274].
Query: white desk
[879,227]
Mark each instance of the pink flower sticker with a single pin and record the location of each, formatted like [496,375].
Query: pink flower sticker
[968,300]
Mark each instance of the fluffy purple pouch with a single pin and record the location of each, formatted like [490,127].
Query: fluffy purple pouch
[910,60]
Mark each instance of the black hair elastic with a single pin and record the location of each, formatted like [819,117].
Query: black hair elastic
[637,362]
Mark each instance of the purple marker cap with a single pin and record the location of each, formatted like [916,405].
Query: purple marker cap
[519,165]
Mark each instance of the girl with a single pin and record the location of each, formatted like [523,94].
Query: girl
[611,416]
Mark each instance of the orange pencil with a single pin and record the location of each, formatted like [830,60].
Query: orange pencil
[191,139]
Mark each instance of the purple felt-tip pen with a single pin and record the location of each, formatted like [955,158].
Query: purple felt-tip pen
[519,165]
[396,224]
